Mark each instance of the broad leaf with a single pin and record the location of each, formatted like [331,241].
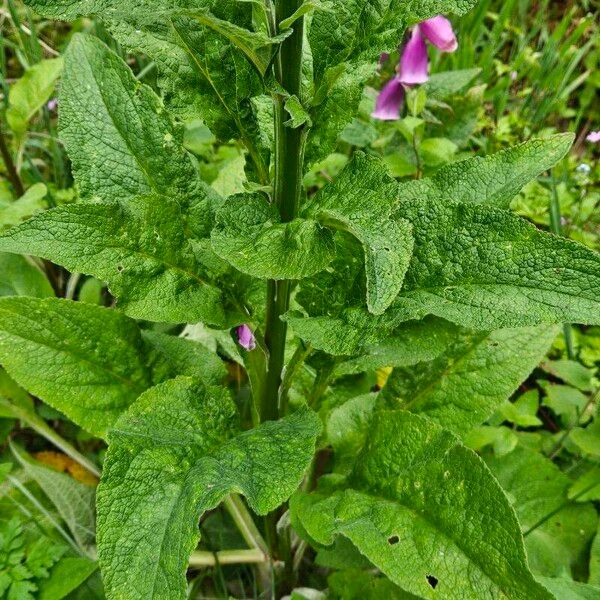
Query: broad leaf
[537,488]
[68,574]
[174,455]
[361,202]
[31,202]
[492,180]
[250,236]
[117,133]
[19,277]
[466,384]
[486,268]
[139,247]
[88,362]
[564,589]
[422,508]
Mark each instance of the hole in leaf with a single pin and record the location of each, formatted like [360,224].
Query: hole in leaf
[432,581]
[120,268]
[394,539]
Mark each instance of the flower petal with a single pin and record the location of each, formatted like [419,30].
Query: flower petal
[246,338]
[414,63]
[438,30]
[389,101]
[594,137]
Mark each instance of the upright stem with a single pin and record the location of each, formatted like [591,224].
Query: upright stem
[289,155]
[11,170]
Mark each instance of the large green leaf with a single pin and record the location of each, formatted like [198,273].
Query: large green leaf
[19,277]
[538,489]
[564,589]
[249,235]
[117,133]
[473,378]
[486,268]
[86,361]
[361,202]
[139,247]
[175,454]
[492,180]
[423,509]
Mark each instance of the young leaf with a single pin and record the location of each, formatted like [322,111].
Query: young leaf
[487,269]
[31,202]
[464,386]
[249,235]
[423,508]
[116,131]
[138,247]
[493,180]
[174,455]
[88,362]
[360,202]
[538,489]
[19,277]
[68,574]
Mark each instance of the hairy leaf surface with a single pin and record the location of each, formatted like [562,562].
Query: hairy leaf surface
[86,361]
[469,382]
[139,247]
[175,454]
[492,180]
[418,504]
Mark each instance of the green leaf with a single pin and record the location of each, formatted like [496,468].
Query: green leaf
[493,180]
[31,92]
[564,589]
[187,357]
[86,361]
[117,133]
[174,455]
[139,247]
[68,574]
[419,506]
[360,202]
[19,277]
[361,585]
[487,269]
[444,84]
[297,112]
[588,438]
[571,372]
[73,500]
[537,488]
[464,386]
[31,202]
[595,561]
[249,235]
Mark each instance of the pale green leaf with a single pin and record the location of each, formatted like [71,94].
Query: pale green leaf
[464,386]
[68,574]
[362,585]
[419,505]
[297,112]
[571,372]
[139,247]
[537,488]
[174,455]
[30,203]
[31,92]
[19,277]
[565,589]
[446,83]
[73,500]
[494,179]
[86,361]
[250,236]
[595,561]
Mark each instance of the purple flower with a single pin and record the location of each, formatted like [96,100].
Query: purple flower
[438,31]
[594,137]
[246,338]
[52,104]
[389,101]
[414,64]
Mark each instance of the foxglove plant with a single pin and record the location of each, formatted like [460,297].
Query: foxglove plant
[433,277]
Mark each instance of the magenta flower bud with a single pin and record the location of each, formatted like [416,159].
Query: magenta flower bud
[438,30]
[52,104]
[594,137]
[414,63]
[246,338]
[389,101]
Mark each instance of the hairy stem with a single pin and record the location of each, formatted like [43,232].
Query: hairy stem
[289,153]
[11,170]
[226,557]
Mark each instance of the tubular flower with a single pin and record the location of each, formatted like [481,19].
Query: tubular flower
[414,64]
[246,338]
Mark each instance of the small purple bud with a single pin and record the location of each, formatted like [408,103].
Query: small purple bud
[414,62]
[52,104]
[389,101]
[438,30]
[246,338]
[594,137]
